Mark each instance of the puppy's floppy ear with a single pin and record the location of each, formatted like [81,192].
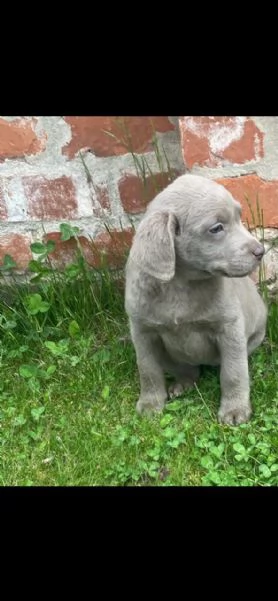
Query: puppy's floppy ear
[153,247]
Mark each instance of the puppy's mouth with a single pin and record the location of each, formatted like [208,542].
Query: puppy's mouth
[238,270]
[231,274]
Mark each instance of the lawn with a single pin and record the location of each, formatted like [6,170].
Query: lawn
[69,385]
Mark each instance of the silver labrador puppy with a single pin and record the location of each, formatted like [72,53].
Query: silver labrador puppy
[189,298]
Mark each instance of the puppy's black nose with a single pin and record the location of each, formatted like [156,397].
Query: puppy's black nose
[259,252]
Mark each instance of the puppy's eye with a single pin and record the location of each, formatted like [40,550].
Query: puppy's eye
[215,229]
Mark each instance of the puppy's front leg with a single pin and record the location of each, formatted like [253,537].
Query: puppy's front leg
[235,407]
[153,394]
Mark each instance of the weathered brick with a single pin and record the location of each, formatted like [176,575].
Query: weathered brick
[252,187]
[18,138]
[65,251]
[106,249]
[135,195]
[18,246]
[50,198]
[3,208]
[210,141]
[112,247]
[124,134]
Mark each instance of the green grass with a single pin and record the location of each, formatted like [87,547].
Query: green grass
[69,385]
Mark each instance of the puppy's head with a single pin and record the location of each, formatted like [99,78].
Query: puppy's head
[194,226]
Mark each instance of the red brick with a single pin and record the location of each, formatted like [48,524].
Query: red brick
[106,249]
[249,147]
[50,199]
[18,246]
[65,251]
[135,194]
[212,140]
[3,208]
[18,138]
[111,246]
[130,133]
[253,187]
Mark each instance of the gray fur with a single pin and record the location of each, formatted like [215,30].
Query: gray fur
[189,298]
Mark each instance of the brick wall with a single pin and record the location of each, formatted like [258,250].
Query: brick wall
[81,170]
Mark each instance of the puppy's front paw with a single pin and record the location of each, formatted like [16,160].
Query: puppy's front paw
[149,406]
[234,416]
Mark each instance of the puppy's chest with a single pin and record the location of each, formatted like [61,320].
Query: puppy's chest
[194,343]
[187,330]
[186,313]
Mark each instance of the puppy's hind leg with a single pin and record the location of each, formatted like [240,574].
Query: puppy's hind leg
[257,337]
[255,340]
[185,377]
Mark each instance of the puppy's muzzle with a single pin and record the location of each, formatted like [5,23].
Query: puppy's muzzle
[259,252]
